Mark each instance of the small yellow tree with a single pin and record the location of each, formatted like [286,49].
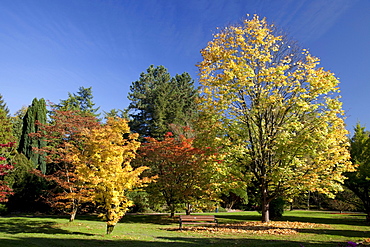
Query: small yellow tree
[103,164]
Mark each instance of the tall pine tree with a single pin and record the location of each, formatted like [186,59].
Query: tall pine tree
[81,101]
[157,100]
[35,113]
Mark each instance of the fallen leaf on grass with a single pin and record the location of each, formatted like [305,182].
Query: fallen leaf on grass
[271,228]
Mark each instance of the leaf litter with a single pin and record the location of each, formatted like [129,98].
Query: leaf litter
[259,228]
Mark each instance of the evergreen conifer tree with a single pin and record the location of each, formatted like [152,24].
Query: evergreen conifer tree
[157,100]
[81,101]
[3,105]
[17,121]
[35,113]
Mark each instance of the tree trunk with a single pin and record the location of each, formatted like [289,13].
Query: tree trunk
[368,217]
[265,206]
[171,207]
[74,211]
[172,210]
[188,208]
[308,200]
[110,228]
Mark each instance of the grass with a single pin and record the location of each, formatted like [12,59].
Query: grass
[160,230]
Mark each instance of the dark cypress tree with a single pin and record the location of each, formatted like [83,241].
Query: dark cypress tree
[17,121]
[35,113]
[157,100]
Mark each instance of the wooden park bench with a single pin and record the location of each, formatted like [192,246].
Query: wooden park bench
[197,219]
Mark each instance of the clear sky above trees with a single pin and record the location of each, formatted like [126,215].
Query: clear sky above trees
[50,48]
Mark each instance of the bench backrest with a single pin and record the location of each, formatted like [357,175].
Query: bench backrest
[197,217]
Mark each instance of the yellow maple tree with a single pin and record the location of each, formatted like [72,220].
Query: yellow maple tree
[279,110]
[103,164]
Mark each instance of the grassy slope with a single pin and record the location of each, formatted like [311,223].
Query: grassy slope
[159,230]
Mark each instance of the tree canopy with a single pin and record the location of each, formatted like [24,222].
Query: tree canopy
[186,174]
[36,113]
[359,181]
[80,101]
[62,135]
[3,105]
[5,167]
[279,110]
[6,128]
[158,100]
[103,163]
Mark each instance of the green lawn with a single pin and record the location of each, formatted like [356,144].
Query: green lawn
[160,230]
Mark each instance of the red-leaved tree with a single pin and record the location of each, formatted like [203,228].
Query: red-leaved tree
[185,173]
[5,168]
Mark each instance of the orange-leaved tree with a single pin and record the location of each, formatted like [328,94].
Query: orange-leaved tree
[103,163]
[279,110]
[62,135]
[186,174]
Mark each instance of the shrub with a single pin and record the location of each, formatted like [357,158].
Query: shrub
[277,208]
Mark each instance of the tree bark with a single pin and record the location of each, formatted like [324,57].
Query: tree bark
[265,206]
[172,208]
[74,211]
[188,208]
[110,228]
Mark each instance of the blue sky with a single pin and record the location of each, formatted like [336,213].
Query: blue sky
[49,48]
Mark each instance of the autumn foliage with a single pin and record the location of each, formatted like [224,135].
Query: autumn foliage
[185,173]
[279,110]
[103,164]
[62,136]
[5,168]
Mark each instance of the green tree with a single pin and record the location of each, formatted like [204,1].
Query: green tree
[359,181]
[17,121]
[5,123]
[114,113]
[6,128]
[3,105]
[158,100]
[277,109]
[81,101]
[28,188]
[35,115]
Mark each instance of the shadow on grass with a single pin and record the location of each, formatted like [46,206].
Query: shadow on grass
[54,216]
[328,231]
[333,232]
[225,229]
[162,241]
[346,220]
[16,226]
